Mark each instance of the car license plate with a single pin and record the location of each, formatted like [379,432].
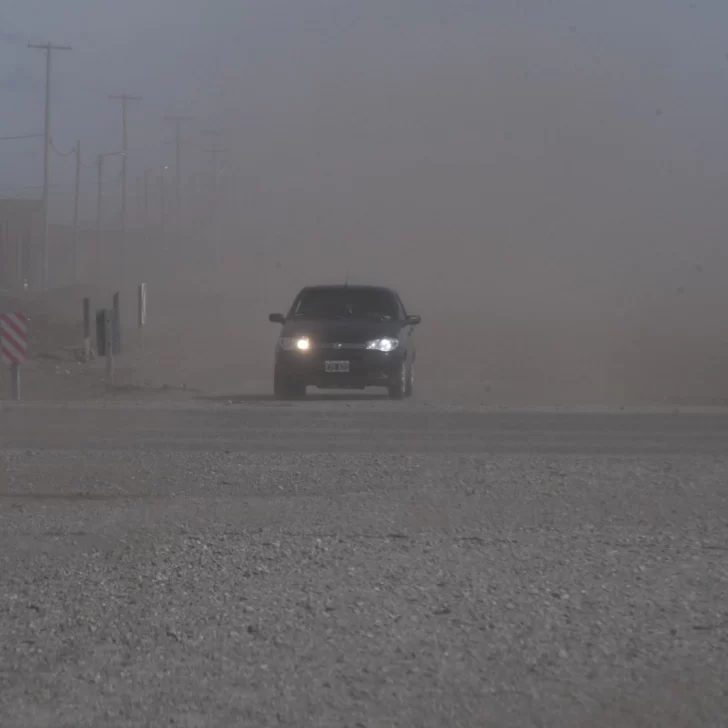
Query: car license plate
[337,366]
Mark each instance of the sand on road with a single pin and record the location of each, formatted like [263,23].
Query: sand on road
[361,563]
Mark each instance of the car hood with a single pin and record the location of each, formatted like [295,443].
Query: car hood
[341,332]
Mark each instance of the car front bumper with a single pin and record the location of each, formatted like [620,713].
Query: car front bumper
[365,368]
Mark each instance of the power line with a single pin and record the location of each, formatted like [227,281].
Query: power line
[20,136]
[12,188]
[55,186]
[61,154]
[48,48]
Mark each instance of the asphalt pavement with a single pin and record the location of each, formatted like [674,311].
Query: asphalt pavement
[360,562]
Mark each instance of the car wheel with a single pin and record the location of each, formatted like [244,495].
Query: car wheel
[284,388]
[410,387]
[398,387]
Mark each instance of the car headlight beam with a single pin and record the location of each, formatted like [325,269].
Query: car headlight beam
[385,344]
[298,343]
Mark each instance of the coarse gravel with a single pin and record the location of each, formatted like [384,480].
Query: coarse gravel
[358,564]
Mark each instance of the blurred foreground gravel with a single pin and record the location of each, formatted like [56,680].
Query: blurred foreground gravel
[361,564]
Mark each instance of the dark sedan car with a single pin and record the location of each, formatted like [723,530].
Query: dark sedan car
[345,337]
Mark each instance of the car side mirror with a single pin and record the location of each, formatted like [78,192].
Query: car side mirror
[277,318]
[413,320]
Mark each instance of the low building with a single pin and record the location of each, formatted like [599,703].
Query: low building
[21,223]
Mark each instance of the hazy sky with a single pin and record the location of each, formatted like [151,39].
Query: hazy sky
[577,129]
[460,67]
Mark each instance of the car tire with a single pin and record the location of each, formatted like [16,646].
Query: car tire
[284,388]
[410,386]
[398,386]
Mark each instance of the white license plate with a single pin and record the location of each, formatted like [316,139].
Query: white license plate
[336,366]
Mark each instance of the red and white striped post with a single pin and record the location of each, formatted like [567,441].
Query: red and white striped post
[14,346]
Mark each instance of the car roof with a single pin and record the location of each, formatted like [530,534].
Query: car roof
[347,287]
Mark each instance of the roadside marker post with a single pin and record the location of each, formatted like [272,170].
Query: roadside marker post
[104,342]
[14,346]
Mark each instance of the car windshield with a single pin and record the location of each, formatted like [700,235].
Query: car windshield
[342,303]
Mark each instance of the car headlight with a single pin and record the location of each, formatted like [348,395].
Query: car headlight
[386,344]
[300,343]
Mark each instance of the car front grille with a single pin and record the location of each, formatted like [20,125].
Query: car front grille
[340,347]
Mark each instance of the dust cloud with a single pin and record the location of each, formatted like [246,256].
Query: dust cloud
[544,187]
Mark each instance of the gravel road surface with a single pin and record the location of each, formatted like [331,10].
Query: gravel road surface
[361,563]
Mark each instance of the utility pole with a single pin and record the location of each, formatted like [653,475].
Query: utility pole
[48,48]
[75,211]
[139,200]
[161,238]
[100,179]
[177,119]
[146,201]
[124,98]
[162,201]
